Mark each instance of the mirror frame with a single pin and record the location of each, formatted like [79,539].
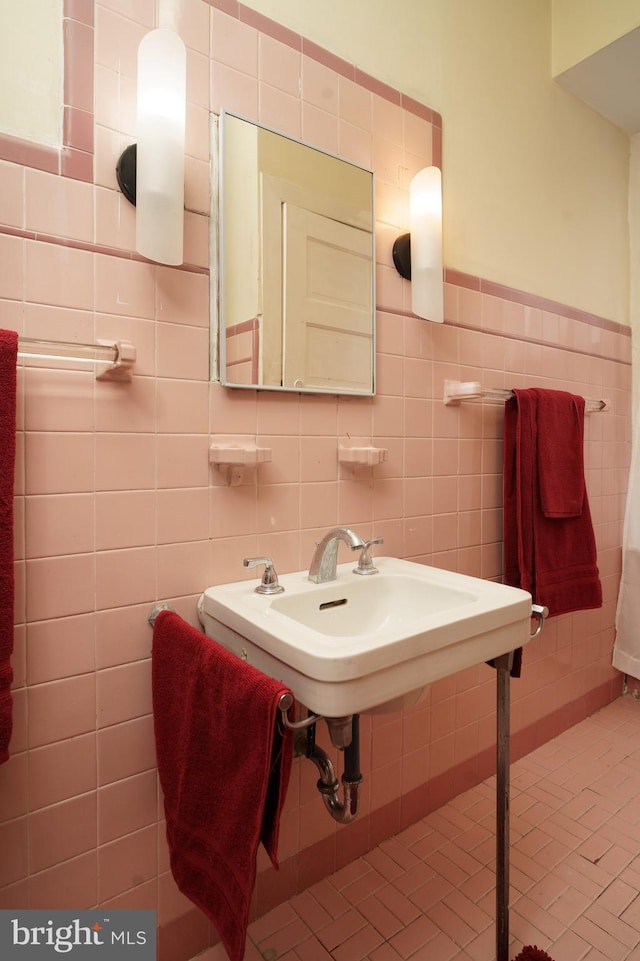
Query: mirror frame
[216,264]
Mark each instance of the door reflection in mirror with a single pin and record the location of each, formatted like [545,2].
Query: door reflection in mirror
[296,268]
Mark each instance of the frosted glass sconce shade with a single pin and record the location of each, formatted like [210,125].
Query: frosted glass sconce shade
[151,173]
[418,254]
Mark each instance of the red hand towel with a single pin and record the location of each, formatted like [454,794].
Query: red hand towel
[560,453]
[224,768]
[555,559]
[8,355]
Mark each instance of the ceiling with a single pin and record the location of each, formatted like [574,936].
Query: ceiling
[609,81]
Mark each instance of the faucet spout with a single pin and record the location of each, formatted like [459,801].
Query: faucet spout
[325,559]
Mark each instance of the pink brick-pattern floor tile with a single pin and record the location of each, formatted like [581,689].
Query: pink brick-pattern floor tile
[428,893]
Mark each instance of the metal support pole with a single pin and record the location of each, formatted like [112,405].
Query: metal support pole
[503,665]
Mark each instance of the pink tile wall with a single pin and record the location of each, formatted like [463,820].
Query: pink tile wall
[243,351]
[116,506]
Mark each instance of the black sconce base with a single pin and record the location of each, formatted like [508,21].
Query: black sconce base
[126,172]
[402,255]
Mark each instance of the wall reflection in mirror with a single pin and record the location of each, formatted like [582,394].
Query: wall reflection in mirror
[296,265]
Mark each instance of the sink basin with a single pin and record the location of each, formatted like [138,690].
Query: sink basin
[365,607]
[360,644]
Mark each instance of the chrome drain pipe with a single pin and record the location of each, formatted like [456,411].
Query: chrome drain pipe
[328,785]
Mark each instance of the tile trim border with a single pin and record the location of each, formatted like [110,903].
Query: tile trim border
[93,248]
[470,282]
[453,277]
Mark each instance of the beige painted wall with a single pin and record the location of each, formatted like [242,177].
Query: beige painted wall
[535,183]
[580,27]
[31,70]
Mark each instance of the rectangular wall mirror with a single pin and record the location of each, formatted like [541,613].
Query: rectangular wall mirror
[295,279]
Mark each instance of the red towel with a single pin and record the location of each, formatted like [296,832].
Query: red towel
[554,558]
[561,453]
[532,953]
[224,767]
[8,355]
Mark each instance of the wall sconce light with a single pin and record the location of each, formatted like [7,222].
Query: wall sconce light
[151,172]
[418,255]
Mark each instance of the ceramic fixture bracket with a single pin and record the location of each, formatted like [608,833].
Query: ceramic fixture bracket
[362,456]
[233,458]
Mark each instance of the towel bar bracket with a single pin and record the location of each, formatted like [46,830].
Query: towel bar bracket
[285,702]
[156,610]
[542,613]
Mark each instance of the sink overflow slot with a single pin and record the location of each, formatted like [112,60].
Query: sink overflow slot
[328,604]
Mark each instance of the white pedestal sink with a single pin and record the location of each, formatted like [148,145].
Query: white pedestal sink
[357,645]
[360,644]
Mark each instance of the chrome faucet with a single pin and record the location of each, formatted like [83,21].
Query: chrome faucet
[325,560]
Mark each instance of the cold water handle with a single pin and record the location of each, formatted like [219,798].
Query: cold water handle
[269,583]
